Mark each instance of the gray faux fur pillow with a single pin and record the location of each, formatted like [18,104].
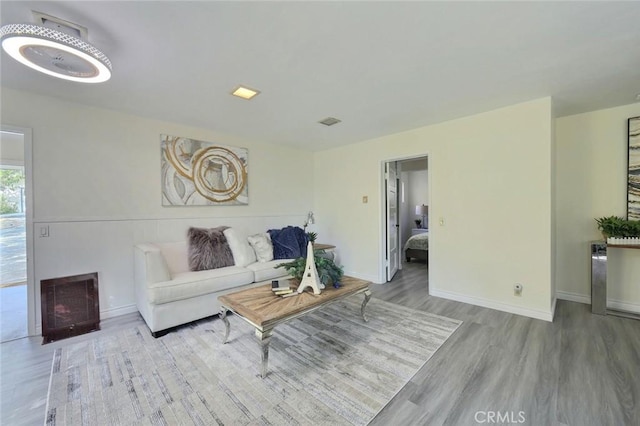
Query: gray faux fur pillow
[208,249]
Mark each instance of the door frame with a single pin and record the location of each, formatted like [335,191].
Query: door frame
[28,216]
[388,260]
[382,231]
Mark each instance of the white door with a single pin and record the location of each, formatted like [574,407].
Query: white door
[392,219]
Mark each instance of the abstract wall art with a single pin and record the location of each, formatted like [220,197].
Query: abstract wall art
[633,181]
[198,173]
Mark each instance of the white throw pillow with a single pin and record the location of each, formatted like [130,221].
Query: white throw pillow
[243,254]
[261,243]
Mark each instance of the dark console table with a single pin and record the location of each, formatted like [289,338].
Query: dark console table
[599,280]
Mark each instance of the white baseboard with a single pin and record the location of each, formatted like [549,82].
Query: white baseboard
[373,278]
[611,303]
[573,297]
[115,312]
[623,306]
[485,303]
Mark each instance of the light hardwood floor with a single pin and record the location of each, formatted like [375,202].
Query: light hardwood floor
[581,370]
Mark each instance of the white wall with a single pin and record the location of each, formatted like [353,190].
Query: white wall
[591,183]
[418,192]
[97,188]
[490,182]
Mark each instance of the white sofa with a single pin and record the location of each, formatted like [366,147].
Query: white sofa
[168,294]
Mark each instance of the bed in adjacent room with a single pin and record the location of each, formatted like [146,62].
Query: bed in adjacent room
[417,247]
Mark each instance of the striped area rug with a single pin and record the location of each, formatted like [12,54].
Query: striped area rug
[326,368]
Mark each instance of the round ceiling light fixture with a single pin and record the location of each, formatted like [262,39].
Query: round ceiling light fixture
[55,53]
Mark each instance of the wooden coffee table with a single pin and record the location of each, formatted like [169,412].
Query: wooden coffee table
[263,310]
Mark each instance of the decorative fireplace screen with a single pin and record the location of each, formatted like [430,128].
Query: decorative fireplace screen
[69,306]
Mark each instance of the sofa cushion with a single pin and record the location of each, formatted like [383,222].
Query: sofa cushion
[261,244]
[185,285]
[243,254]
[208,249]
[175,254]
[265,271]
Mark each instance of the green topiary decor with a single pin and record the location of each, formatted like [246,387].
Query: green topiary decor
[328,271]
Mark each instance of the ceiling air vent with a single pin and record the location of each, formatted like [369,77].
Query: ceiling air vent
[329,121]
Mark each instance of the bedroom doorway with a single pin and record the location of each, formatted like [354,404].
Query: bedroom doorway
[408,217]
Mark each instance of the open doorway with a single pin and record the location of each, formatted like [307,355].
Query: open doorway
[411,219]
[16,295]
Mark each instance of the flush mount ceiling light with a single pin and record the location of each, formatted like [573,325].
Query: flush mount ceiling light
[55,52]
[245,92]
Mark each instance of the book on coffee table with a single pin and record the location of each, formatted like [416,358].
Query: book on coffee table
[279,285]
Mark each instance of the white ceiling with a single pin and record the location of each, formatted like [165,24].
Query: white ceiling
[380,67]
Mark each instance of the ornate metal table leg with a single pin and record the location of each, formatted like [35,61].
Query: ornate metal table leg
[264,337]
[223,317]
[367,297]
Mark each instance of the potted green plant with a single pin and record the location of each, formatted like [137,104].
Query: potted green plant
[616,226]
[609,225]
[312,236]
[328,271]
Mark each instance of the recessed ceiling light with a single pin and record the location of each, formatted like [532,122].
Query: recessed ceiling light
[330,121]
[245,92]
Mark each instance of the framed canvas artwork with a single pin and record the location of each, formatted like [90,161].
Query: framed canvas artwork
[199,173]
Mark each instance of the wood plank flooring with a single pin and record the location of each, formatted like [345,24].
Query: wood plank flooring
[581,370]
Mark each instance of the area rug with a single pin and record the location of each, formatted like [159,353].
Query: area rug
[328,367]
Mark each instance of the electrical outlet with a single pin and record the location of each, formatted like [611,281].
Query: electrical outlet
[517,289]
[365,199]
[44,231]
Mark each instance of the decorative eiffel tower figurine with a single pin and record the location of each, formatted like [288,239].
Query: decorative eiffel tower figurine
[310,277]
